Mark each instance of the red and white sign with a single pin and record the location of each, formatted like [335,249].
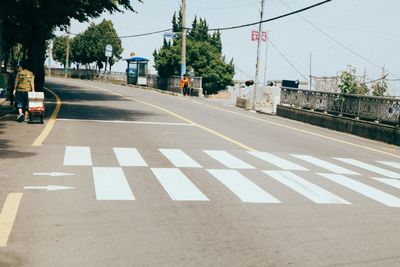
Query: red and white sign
[254,36]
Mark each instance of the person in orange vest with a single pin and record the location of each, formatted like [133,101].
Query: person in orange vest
[185,84]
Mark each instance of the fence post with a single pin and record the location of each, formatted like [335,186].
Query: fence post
[342,99]
[358,108]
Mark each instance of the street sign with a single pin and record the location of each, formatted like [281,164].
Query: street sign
[109,50]
[170,35]
[254,36]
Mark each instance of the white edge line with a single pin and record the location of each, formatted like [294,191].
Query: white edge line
[131,122]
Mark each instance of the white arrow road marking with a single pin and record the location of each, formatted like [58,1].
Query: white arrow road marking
[49,187]
[53,174]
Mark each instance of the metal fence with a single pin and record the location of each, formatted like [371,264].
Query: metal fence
[380,109]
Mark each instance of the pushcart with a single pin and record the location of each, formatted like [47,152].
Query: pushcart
[36,107]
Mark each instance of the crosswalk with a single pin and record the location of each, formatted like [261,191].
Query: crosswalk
[239,173]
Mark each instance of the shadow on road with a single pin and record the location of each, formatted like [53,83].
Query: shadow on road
[6,147]
[88,104]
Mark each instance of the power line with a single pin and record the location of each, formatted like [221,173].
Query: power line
[233,27]
[287,60]
[271,19]
[336,41]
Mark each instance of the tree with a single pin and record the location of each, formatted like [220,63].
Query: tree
[379,88]
[204,55]
[31,23]
[60,50]
[349,84]
[89,46]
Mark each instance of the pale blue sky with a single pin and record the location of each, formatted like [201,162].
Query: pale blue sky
[369,27]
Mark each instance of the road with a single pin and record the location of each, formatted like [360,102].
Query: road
[122,176]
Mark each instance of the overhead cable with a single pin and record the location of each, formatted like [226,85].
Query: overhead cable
[288,61]
[336,41]
[233,27]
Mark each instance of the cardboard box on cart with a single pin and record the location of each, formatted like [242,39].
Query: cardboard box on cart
[36,106]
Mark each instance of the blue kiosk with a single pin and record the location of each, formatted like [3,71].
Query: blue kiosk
[137,70]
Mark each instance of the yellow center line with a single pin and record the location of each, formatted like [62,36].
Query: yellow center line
[8,215]
[50,124]
[302,131]
[180,117]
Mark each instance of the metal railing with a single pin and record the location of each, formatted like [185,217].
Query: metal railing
[370,108]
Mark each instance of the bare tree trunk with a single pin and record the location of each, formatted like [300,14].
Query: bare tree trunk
[37,57]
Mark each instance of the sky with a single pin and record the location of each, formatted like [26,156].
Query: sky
[361,33]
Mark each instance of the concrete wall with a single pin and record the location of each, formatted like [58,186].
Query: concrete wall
[374,131]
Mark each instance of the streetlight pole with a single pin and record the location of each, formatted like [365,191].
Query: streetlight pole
[258,54]
[183,63]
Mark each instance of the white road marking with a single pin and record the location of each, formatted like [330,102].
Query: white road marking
[77,156]
[132,122]
[364,189]
[49,187]
[53,174]
[111,184]
[311,191]
[370,167]
[129,157]
[391,164]
[242,187]
[177,185]
[179,158]
[325,165]
[277,161]
[228,160]
[388,181]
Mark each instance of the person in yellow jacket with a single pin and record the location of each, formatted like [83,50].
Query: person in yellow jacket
[185,84]
[24,83]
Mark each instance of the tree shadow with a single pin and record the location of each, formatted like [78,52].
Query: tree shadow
[6,147]
[82,104]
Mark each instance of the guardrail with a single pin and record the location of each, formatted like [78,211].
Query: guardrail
[370,108]
[171,84]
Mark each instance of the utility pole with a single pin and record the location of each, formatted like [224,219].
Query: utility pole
[183,63]
[266,59]
[258,55]
[67,52]
[310,71]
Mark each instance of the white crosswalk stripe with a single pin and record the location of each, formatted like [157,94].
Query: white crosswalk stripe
[391,164]
[388,181]
[179,158]
[228,160]
[242,187]
[111,184]
[311,191]
[364,189]
[129,157]
[369,167]
[77,156]
[277,161]
[325,165]
[177,185]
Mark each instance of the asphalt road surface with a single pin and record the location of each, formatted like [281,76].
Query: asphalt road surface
[123,176]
